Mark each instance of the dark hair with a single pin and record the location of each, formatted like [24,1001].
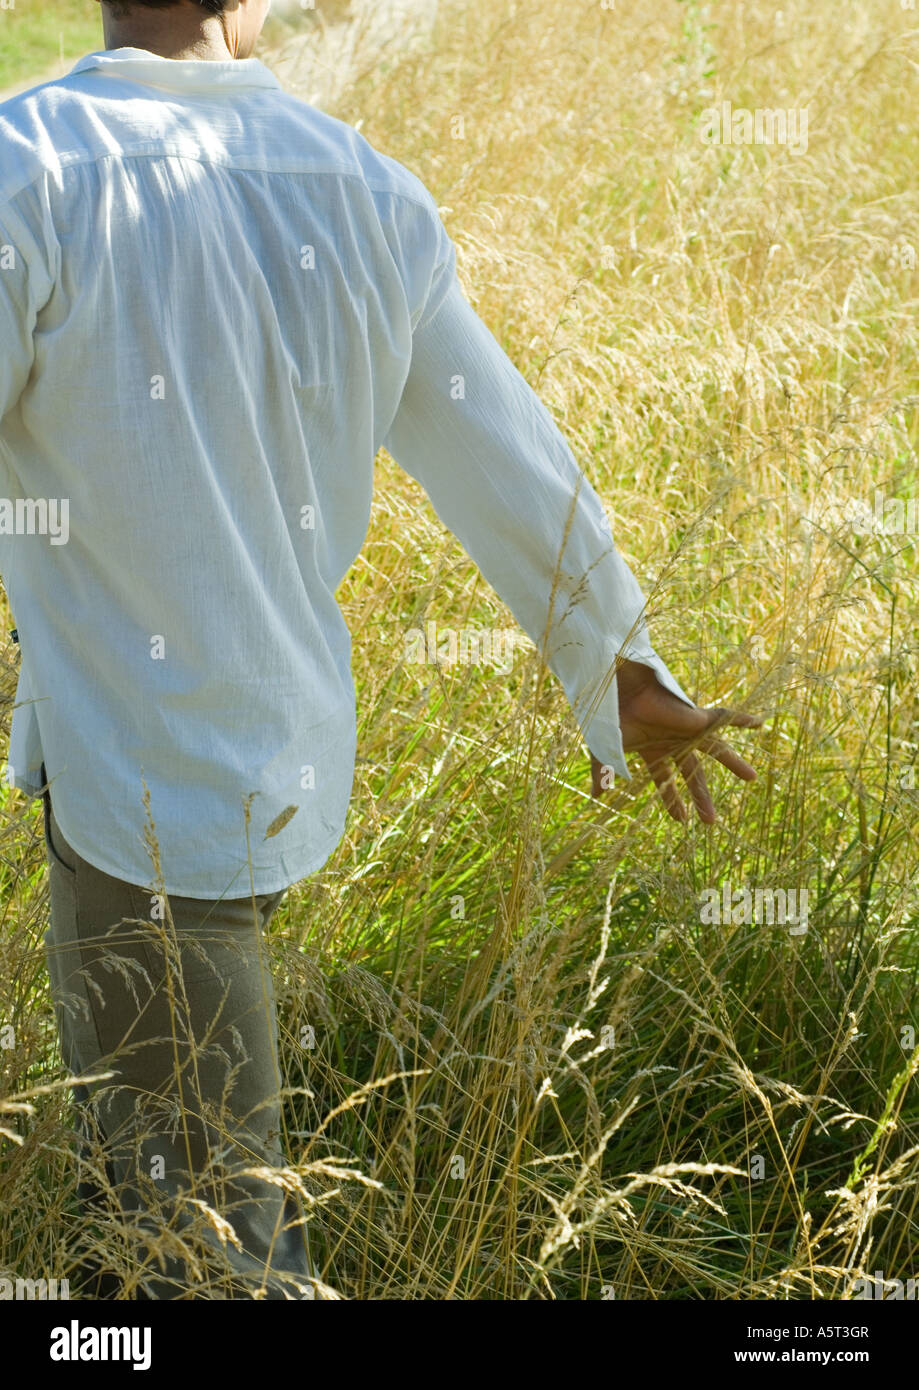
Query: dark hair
[124,6]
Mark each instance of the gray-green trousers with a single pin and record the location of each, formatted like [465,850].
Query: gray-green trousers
[183,1012]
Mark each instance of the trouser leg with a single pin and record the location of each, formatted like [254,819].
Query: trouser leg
[183,1012]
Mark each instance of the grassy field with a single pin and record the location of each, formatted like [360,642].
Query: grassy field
[553,1077]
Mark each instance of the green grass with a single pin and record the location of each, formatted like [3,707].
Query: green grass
[38,36]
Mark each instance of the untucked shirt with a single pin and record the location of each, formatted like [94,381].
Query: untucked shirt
[216,303]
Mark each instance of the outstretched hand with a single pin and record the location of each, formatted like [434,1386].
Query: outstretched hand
[669,735]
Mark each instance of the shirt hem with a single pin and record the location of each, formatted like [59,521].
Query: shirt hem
[262,883]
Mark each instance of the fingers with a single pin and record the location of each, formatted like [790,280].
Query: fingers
[694,776]
[723,753]
[660,753]
[740,720]
[690,765]
[664,781]
[733,718]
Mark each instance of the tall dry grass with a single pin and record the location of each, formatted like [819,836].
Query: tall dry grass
[536,1072]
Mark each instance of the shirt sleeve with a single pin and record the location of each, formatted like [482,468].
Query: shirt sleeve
[501,477]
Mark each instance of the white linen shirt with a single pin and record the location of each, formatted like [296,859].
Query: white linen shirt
[216,303]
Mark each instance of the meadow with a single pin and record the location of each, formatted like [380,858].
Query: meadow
[521,1062]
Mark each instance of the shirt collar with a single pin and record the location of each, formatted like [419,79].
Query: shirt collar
[181,74]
